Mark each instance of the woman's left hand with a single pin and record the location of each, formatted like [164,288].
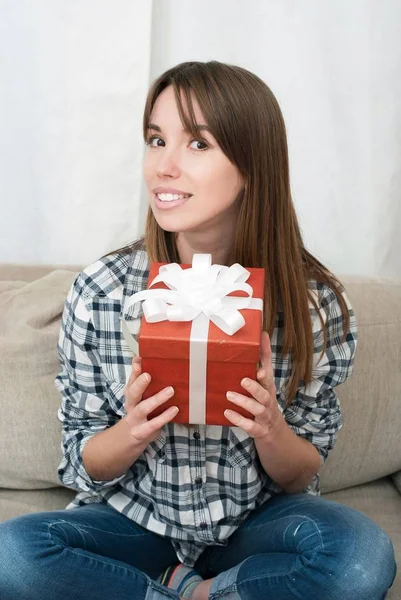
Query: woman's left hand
[263,405]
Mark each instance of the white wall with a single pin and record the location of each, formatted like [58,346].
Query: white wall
[335,68]
[73,77]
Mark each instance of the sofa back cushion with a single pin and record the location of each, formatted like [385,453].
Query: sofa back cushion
[369,445]
[30,439]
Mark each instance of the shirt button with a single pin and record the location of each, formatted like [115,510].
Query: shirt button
[198,480]
[203,525]
[197,435]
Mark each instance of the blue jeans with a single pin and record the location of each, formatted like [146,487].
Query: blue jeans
[294,546]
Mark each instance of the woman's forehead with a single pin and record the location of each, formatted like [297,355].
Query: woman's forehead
[166,108]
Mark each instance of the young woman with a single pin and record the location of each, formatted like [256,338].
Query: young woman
[165,510]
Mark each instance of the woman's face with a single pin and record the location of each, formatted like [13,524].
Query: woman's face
[192,186]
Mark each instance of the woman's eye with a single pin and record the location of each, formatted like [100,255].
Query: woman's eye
[155,141]
[198,145]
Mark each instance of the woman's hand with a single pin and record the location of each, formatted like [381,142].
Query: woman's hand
[268,418]
[110,453]
[144,431]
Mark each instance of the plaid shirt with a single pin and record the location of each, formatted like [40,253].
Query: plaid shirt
[194,484]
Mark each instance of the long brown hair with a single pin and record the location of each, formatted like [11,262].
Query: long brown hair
[246,121]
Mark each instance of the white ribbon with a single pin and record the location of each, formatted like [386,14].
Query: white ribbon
[198,294]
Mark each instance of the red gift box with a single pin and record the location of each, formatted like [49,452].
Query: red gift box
[219,364]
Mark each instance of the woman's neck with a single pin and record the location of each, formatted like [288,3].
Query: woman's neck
[189,244]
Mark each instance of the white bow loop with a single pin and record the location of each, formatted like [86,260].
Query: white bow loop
[204,288]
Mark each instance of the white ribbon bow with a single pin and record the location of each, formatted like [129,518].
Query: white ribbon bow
[204,288]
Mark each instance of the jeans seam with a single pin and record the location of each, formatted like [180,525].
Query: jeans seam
[227,590]
[164,591]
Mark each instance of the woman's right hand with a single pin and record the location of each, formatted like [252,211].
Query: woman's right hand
[142,430]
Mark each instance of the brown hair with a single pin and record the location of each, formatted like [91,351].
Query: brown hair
[246,121]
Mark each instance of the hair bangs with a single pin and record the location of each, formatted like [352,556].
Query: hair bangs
[184,95]
[188,86]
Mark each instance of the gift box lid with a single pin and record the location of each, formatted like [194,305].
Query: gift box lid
[171,339]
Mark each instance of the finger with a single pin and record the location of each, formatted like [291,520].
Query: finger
[266,352]
[251,427]
[144,408]
[135,371]
[265,374]
[267,382]
[136,390]
[257,390]
[148,428]
[250,404]
[137,364]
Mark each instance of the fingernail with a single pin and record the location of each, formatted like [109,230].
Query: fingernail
[168,391]
[146,377]
[230,395]
[246,383]
[174,410]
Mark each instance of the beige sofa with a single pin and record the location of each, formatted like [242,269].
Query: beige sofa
[363,471]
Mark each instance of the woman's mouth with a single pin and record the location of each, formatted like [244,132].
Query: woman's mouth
[167,200]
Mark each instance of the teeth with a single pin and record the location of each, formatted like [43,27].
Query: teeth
[171,197]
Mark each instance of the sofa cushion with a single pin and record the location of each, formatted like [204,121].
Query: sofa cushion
[369,445]
[14,503]
[397,480]
[30,432]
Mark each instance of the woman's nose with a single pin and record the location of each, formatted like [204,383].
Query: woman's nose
[167,165]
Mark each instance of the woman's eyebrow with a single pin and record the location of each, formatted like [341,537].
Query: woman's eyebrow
[157,128]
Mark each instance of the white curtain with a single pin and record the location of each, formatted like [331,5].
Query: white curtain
[74,77]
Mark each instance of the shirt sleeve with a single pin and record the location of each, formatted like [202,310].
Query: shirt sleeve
[84,409]
[315,412]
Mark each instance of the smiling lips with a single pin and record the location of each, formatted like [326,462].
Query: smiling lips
[165,201]
[170,197]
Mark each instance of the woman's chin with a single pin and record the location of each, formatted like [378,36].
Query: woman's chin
[175,224]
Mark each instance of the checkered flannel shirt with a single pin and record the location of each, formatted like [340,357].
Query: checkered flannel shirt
[194,484]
